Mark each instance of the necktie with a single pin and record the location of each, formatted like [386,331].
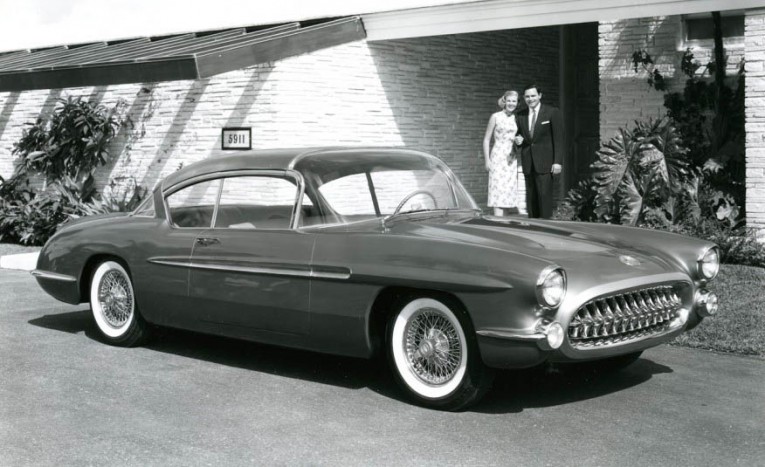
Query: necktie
[533,122]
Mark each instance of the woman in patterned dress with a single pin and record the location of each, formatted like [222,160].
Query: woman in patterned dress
[501,161]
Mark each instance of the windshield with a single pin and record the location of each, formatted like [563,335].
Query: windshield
[353,187]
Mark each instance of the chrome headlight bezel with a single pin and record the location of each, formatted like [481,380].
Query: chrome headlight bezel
[547,279]
[705,271]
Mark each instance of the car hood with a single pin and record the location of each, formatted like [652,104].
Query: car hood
[599,255]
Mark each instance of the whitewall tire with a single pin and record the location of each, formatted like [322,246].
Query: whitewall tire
[112,301]
[434,356]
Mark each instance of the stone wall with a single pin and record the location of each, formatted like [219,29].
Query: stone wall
[755,119]
[433,93]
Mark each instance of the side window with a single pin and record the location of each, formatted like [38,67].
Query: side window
[256,202]
[146,208]
[194,205]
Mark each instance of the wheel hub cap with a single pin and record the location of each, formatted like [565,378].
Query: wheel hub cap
[116,298]
[433,347]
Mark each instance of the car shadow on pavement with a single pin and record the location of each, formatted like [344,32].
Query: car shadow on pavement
[547,386]
[72,322]
[346,372]
[513,391]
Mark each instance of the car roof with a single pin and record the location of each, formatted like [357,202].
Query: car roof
[275,159]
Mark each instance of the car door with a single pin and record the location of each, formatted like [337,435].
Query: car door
[163,275]
[252,269]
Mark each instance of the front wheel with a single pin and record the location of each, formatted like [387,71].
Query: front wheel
[434,356]
[112,301]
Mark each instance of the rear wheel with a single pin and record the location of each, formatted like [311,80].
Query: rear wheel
[434,356]
[112,301]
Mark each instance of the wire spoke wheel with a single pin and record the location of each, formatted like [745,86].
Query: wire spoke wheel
[432,346]
[116,298]
[112,300]
[434,356]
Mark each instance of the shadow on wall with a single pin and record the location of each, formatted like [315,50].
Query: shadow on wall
[443,89]
[246,102]
[8,108]
[173,135]
[132,129]
[97,95]
[46,109]
[205,98]
[625,95]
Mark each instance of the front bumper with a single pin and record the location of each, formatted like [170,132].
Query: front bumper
[521,348]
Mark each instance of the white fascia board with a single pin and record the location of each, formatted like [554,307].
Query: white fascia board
[495,15]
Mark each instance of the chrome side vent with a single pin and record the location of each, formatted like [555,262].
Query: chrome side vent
[626,316]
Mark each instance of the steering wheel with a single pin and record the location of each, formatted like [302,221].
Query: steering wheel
[412,195]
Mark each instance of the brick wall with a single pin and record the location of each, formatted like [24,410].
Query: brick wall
[433,93]
[755,119]
[625,95]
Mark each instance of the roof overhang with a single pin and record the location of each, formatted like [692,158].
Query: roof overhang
[181,57]
[513,14]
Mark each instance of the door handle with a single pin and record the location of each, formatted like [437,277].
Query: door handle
[207,241]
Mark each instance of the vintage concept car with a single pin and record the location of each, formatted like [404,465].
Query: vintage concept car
[356,251]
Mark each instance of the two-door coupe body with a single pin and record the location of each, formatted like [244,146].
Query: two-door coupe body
[352,251]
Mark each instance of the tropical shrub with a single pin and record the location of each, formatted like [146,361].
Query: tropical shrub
[684,173]
[64,151]
[73,142]
[641,176]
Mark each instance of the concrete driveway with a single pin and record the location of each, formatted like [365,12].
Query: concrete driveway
[186,399]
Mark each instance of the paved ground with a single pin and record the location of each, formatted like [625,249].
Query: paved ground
[66,399]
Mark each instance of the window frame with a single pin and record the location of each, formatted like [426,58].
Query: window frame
[286,174]
[730,42]
[149,199]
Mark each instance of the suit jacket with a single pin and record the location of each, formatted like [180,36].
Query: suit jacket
[539,153]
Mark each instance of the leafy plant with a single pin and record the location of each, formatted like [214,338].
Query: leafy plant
[685,174]
[738,244]
[640,176]
[74,142]
[65,151]
[642,59]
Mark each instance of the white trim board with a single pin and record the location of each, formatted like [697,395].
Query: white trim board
[495,15]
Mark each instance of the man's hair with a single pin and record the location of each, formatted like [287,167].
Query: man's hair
[532,86]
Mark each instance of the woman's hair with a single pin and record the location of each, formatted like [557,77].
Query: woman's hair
[501,101]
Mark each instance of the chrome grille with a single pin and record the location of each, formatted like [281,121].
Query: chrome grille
[624,317]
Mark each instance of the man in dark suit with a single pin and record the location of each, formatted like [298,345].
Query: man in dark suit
[540,136]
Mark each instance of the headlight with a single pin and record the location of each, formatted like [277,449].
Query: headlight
[709,263]
[706,303]
[551,286]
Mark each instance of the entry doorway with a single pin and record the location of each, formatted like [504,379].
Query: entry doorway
[580,97]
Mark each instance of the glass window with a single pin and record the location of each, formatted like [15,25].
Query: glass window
[146,208]
[416,189]
[702,28]
[349,195]
[256,202]
[194,205]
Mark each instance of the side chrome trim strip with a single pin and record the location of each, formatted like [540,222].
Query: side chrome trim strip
[511,335]
[252,270]
[53,276]
[169,262]
[339,274]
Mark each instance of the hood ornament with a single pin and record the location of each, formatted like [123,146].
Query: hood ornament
[629,260]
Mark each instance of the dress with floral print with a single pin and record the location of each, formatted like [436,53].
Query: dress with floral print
[503,165]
